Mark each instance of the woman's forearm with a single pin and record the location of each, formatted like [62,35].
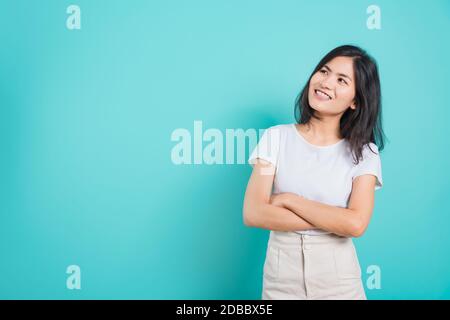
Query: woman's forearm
[271,217]
[341,221]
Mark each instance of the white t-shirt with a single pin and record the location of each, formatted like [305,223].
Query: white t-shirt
[319,173]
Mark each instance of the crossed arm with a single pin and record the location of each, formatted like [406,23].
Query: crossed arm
[291,212]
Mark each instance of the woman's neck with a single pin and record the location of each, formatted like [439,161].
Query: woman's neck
[323,132]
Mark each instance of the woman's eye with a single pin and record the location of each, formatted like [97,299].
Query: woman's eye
[343,81]
[323,71]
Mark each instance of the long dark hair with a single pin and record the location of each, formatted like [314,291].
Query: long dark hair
[362,125]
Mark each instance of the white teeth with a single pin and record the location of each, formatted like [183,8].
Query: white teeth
[323,94]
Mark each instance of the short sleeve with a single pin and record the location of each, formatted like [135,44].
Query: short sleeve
[370,164]
[268,147]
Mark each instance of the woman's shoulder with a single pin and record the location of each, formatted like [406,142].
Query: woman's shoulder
[369,153]
[370,148]
[283,127]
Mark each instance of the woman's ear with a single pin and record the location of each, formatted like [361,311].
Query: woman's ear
[353,106]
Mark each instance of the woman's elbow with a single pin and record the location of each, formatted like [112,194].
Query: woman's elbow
[249,216]
[357,228]
[247,221]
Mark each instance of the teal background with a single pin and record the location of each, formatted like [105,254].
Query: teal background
[85,125]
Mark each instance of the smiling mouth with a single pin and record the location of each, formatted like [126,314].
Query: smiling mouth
[322,94]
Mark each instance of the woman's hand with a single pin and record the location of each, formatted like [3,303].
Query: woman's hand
[281,199]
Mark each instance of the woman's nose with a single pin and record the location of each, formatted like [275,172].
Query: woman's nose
[326,83]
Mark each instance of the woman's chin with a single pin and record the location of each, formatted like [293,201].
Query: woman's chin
[320,109]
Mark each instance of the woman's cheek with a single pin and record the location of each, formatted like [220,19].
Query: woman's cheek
[345,95]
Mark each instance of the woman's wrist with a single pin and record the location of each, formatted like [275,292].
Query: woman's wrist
[291,200]
[285,200]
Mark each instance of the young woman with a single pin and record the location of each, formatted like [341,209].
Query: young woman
[313,182]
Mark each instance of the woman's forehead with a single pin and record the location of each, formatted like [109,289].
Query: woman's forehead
[341,65]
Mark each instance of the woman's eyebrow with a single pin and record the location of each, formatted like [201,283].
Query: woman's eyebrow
[339,74]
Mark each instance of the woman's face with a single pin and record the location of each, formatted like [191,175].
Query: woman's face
[332,88]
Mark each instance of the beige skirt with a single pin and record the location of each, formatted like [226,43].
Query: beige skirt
[311,267]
